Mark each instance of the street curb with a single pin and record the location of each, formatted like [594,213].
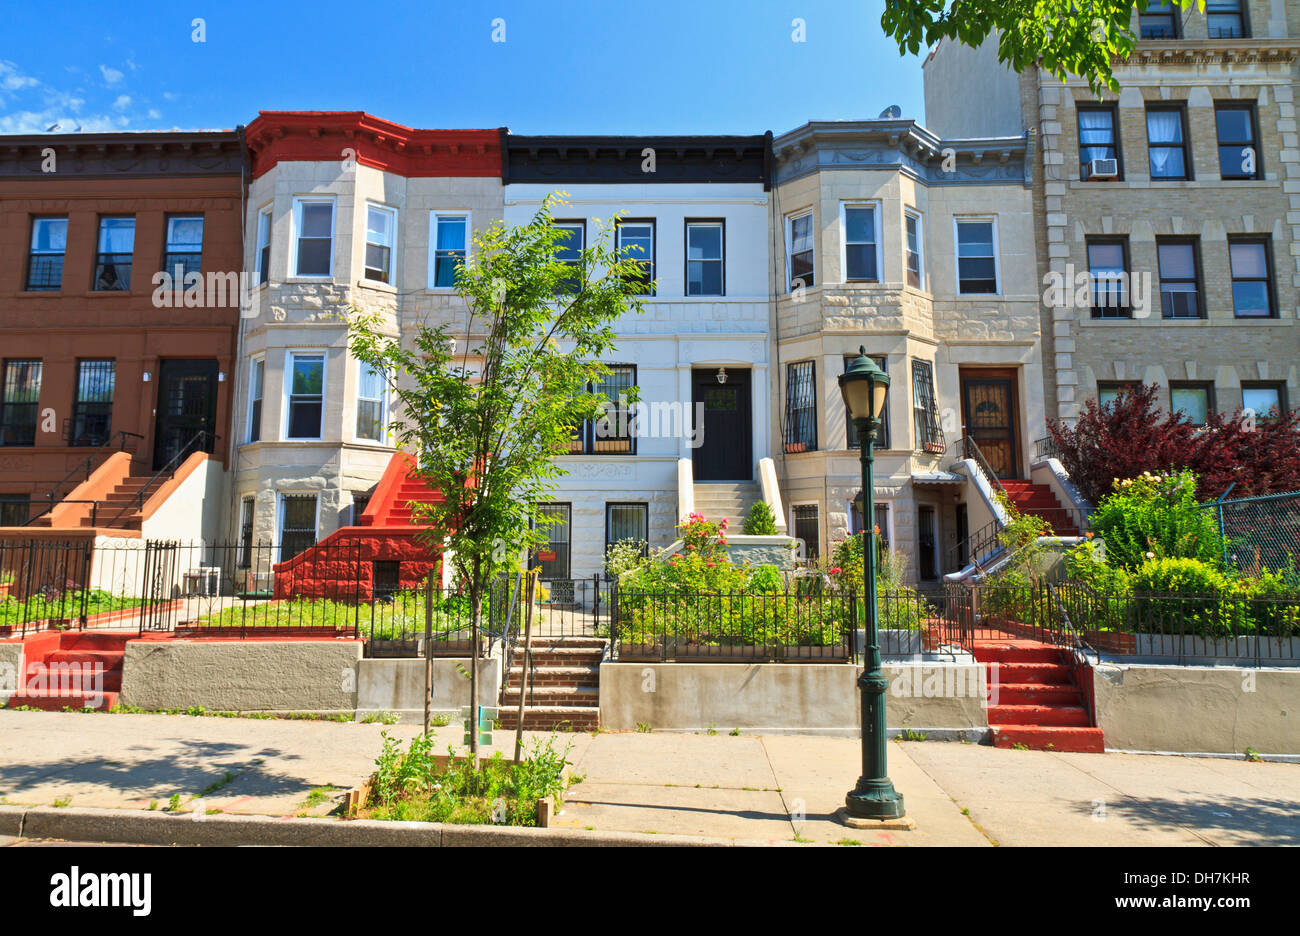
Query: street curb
[138,827]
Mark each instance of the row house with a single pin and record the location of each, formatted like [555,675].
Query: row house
[694,211]
[920,250]
[1173,201]
[344,211]
[109,374]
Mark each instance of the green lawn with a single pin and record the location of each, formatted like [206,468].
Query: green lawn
[40,607]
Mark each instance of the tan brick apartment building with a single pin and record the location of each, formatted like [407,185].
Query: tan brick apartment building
[88,360]
[1187,180]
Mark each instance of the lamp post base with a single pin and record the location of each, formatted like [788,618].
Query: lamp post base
[903,824]
[874,800]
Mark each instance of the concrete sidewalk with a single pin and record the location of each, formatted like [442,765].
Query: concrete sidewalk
[765,788]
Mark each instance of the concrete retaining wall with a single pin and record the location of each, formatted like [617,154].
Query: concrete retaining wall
[242,675]
[1198,709]
[816,698]
[398,685]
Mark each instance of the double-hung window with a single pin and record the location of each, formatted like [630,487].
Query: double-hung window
[977,262]
[21,393]
[1180,282]
[92,409]
[372,403]
[570,243]
[1098,139]
[306,395]
[636,241]
[184,250]
[49,244]
[1252,282]
[313,222]
[799,260]
[882,431]
[801,407]
[1238,153]
[116,249]
[1108,277]
[1226,19]
[860,224]
[1158,20]
[704,262]
[925,410]
[264,245]
[381,236]
[1167,144]
[627,522]
[448,244]
[256,382]
[914,249]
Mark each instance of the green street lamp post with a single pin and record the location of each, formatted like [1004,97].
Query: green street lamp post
[863,386]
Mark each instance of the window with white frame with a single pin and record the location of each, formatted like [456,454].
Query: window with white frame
[636,242]
[381,236]
[306,394]
[914,249]
[977,261]
[183,253]
[372,403]
[799,255]
[313,224]
[256,384]
[704,263]
[264,245]
[449,244]
[861,226]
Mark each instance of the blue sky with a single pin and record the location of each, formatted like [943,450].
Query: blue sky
[581,66]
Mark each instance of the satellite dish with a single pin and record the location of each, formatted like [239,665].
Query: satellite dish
[892,112]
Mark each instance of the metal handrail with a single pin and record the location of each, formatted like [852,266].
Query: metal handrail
[1046,447]
[163,474]
[972,451]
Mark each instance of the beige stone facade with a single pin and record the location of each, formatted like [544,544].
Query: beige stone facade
[908,318]
[1219,352]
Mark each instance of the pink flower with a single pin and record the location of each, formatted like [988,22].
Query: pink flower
[836,571]
[710,564]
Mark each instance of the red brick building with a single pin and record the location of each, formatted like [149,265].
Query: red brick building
[90,359]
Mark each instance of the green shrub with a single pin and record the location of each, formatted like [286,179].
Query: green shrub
[1157,517]
[760,521]
[765,578]
[1087,563]
[624,556]
[1201,599]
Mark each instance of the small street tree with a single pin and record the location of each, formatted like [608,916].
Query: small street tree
[487,415]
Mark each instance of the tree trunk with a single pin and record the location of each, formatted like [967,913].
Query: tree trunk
[476,599]
[529,591]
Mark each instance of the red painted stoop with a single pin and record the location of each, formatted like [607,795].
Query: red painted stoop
[1034,699]
[71,670]
[1038,499]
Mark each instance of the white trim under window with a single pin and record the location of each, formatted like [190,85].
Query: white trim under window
[863,275]
[807,248]
[379,263]
[301,402]
[311,235]
[913,246]
[256,399]
[976,253]
[262,252]
[372,404]
[449,253]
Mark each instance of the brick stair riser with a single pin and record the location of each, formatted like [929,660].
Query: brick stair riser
[1065,716]
[543,660]
[542,677]
[535,720]
[543,696]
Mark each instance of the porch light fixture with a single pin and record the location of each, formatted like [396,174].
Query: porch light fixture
[722,375]
[863,386]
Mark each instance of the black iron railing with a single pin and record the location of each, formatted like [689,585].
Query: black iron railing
[120,441]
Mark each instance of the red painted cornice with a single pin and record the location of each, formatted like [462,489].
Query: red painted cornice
[322,136]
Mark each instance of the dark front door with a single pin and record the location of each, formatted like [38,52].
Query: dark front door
[187,405]
[726,449]
[988,405]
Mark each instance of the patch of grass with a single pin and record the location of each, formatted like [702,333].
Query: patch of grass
[1252,755]
[62,803]
[174,804]
[643,727]
[910,735]
[848,842]
[381,718]
[316,796]
[55,605]
[711,729]
[216,785]
[800,838]
[735,732]
[153,805]
[439,721]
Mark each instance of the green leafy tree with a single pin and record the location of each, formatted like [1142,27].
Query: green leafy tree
[488,422]
[1062,37]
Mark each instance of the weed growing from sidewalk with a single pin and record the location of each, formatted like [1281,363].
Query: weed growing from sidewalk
[216,785]
[910,735]
[174,804]
[381,718]
[847,842]
[1252,755]
[643,727]
[317,796]
[62,803]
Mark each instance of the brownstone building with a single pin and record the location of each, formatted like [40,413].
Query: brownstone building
[94,358]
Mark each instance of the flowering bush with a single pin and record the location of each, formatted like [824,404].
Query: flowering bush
[1157,516]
